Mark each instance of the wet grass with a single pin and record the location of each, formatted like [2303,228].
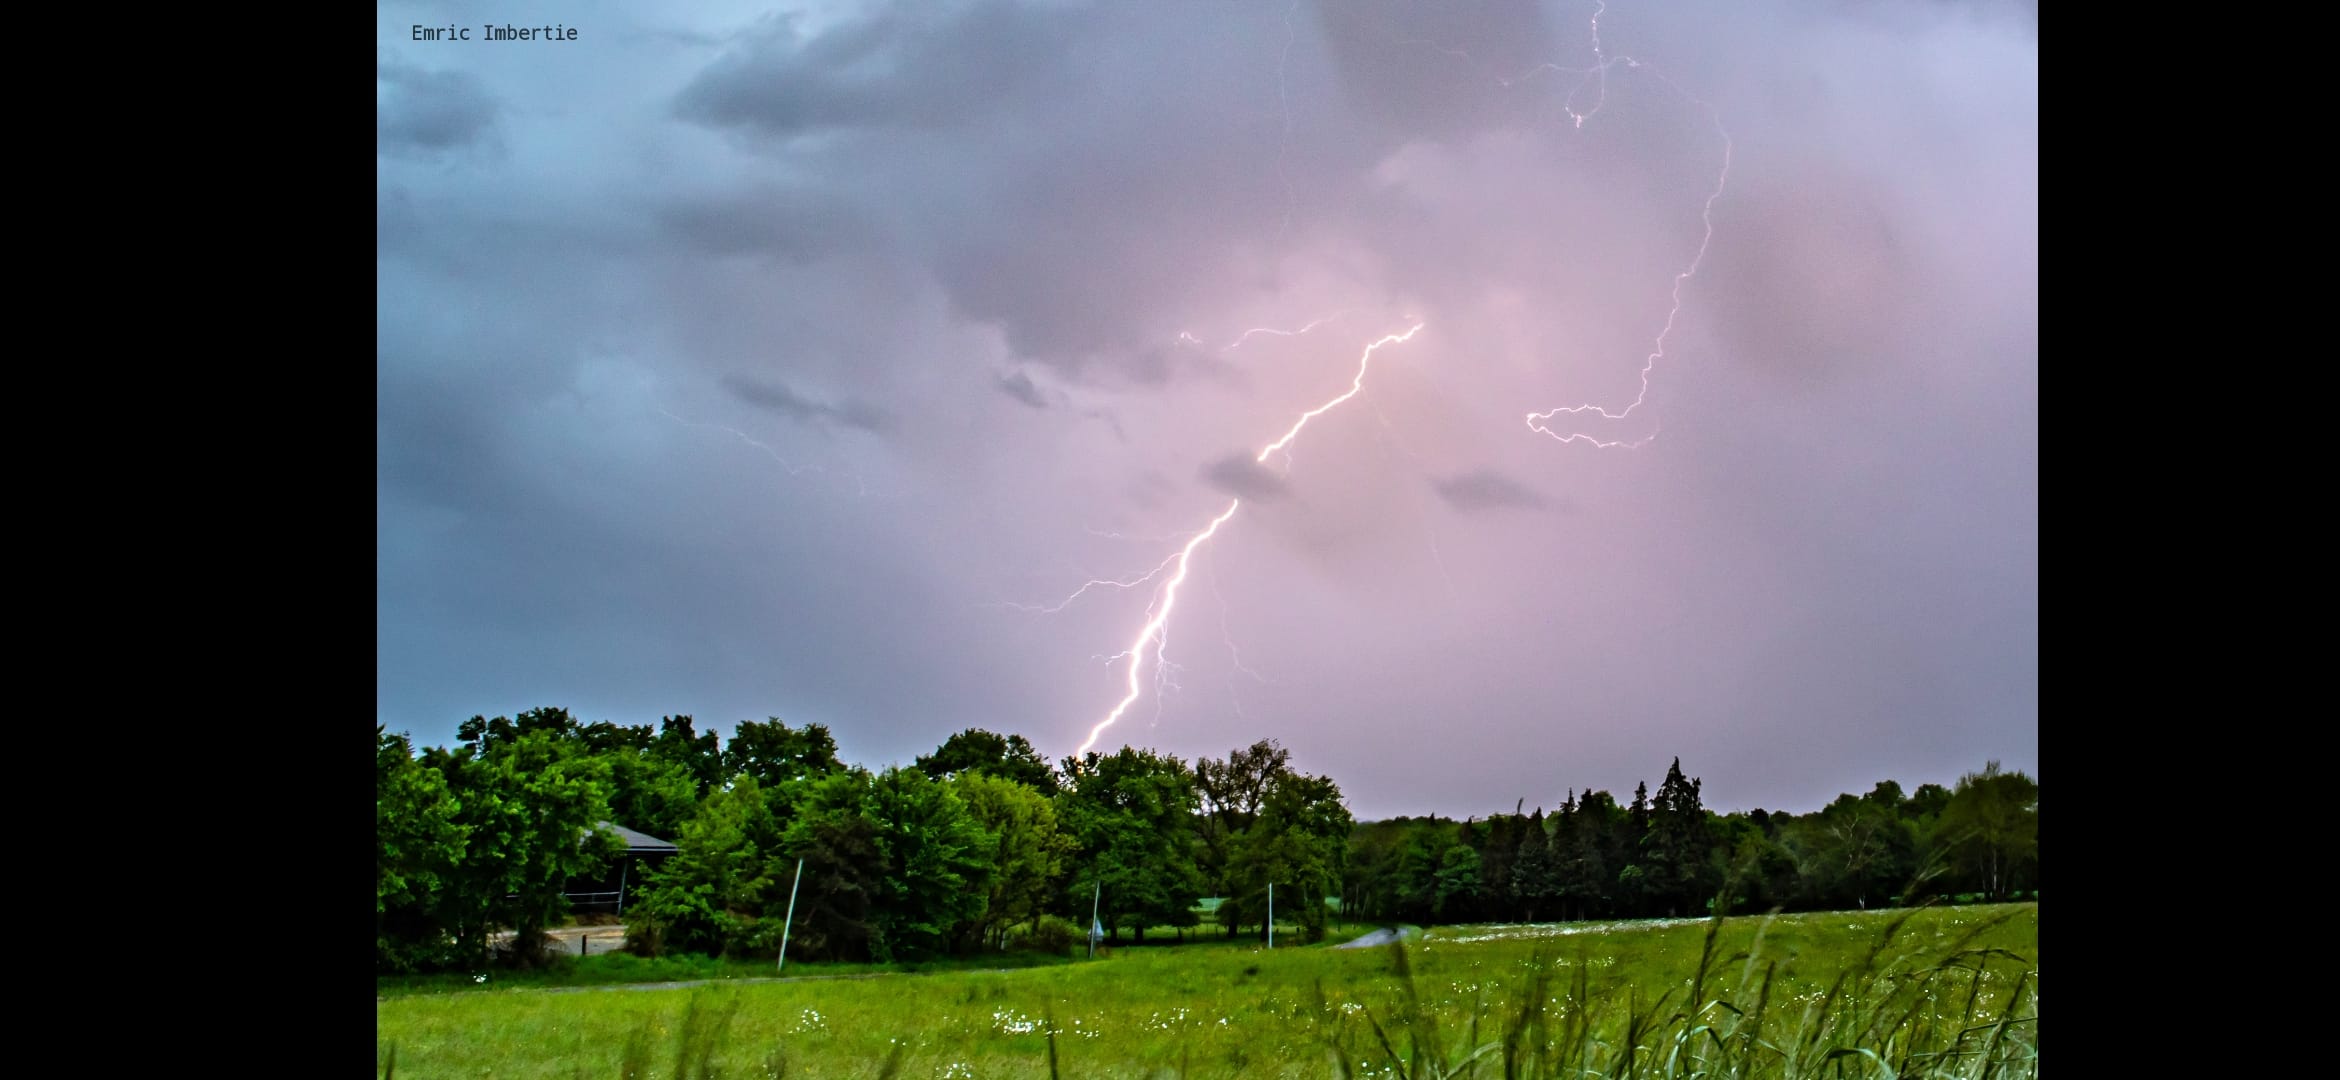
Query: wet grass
[623,969]
[1930,992]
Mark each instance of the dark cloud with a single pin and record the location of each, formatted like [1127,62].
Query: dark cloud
[800,224]
[1486,489]
[1242,476]
[1436,71]
[914,65]
[778,397]
[1019,386]
[1821,282]
[1086,228]
[421,113]
[1112,423]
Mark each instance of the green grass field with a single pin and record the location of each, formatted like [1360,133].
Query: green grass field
[1933,992]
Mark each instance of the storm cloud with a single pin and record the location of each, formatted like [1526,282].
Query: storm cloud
[1486,489]
[1245,478]
[777,397]
[1020,387]
[420,112]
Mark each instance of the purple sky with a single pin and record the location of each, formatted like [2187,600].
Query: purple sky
[781,361]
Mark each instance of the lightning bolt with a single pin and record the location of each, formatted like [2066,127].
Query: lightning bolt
[1154,633]
[1109,583]
[1535,420]
[792,468]
[1284,135]
[1600,71]
[1187,338]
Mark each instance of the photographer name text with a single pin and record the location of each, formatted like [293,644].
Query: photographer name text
[493,32]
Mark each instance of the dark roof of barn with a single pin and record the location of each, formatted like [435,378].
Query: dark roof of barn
[639,843]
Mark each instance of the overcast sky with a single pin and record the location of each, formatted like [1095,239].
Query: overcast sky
[748,360]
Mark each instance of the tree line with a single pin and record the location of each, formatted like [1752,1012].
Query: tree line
[1667,855]
[983,844]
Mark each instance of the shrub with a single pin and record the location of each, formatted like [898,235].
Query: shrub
[1054,935]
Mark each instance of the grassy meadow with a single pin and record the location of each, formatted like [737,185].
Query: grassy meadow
[1919,992]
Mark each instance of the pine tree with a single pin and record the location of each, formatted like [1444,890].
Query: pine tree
[1534,872]
[1499,844]
[1633,869]
[1678,842]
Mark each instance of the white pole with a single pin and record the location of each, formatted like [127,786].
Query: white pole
[1271,914]
[1093,924]
[791,920]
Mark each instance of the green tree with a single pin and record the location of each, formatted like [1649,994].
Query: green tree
[1229,794]
[529,805]
[1498,843]
[1377,885]
[1854,850]
[605,738]
[1130,815]
[1632,896]
[650,794]
[1676,848]
[835,832]
[1991,829]
[1926,804]
[1298,840]
[1590,864]
[1028,853]
[894,862]
[938,865]
[697,752]
[1420,859]
[1756,871]
[1535,871]
[1458,882]
[418,845]
[484,736]
[1011,757]
[712,894]
[775,754]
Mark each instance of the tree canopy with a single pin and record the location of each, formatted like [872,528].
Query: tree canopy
[980,844]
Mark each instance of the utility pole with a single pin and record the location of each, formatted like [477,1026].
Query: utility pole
[791,920]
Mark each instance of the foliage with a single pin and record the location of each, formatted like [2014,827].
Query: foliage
[1131,817]
[894,862]
[1009,757]
[1298,840]
[1051,934]
[970,852]
[775,754]
[1992,827]
[1028,854]
[710,894]
[418,845]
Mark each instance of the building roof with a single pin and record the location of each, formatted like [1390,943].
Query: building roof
[638,843]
